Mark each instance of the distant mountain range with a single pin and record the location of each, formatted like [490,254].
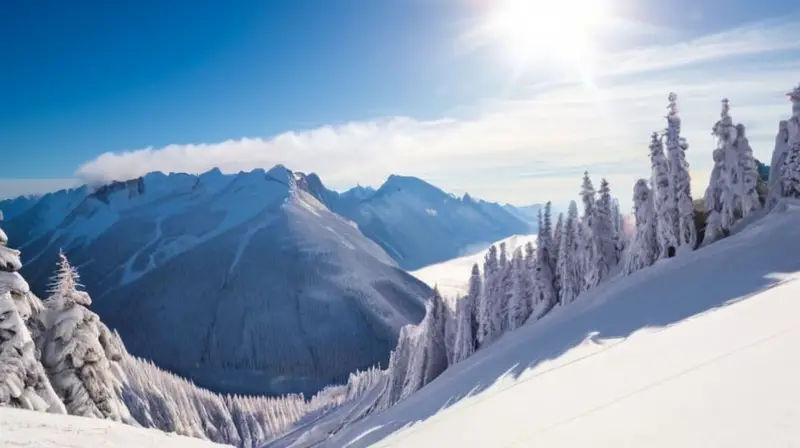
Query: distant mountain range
[258,282]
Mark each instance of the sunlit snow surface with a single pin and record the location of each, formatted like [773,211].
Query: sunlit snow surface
[452,276]
[697,351]
[41,430]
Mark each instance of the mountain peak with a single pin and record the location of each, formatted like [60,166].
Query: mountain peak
[396,183]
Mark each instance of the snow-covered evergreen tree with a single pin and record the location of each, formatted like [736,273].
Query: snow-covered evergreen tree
[721,197]
[79,352]
[558,235]
[619,235]
[399,365]
[748,172]
[518,306]
[544,286]
[474,296]
[23,382]
[790,172]
[604,235]
[433,333]
[664,199]
[464,345]
[680,178]
[643,249]
[528,279]
[506,286]
[589,247]
[570,275]
[777,163]
[558,232]
[488,308]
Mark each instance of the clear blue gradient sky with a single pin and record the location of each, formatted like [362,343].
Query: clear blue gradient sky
[80,79]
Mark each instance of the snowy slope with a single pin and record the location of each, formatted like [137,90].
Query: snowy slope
[243,283]
[41,430]
[452,276]
[419,225]
[694,351]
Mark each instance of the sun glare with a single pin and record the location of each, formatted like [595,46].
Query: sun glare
[564,30]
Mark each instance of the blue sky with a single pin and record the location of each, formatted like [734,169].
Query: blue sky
[357,89]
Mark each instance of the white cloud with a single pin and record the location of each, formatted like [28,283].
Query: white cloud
[10,188]
[755,38]
[526,150]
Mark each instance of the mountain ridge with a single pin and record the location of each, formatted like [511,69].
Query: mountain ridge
[244,283]
[373,210]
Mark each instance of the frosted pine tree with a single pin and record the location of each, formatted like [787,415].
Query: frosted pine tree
[545,294]
[663,199]
[505,287]
[790,172]
[464,345]
[474,295]
[721,197]
[23,382]
[529,279]
[779,154]
[433,326]
[570,275]
[619,236]
[643,249]
[558,234]
[488,309]
[748,181]
[680,178]
[604,235]
[399,364]
[589,251]
[79,353]
[518,310]
[546,229]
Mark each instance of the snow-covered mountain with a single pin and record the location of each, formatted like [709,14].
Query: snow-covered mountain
[418,224]
[243,283]
[703,344]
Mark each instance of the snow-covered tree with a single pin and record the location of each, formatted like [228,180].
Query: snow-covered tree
[570,274]
[433,326]
[664,199]
[558,232]
[23,382]
[604,236]
[544,286]
[779,154]
[721,197]
[643,249]
[79,353]
[680,178]
[790,172]
[399,365]
[488,307]
[588,252]
[528,280]
[748,172]
[506,286]
[558,235]
[619,235]
[519,303]
[464,345]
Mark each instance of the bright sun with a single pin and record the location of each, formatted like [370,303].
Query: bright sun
[562,29]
